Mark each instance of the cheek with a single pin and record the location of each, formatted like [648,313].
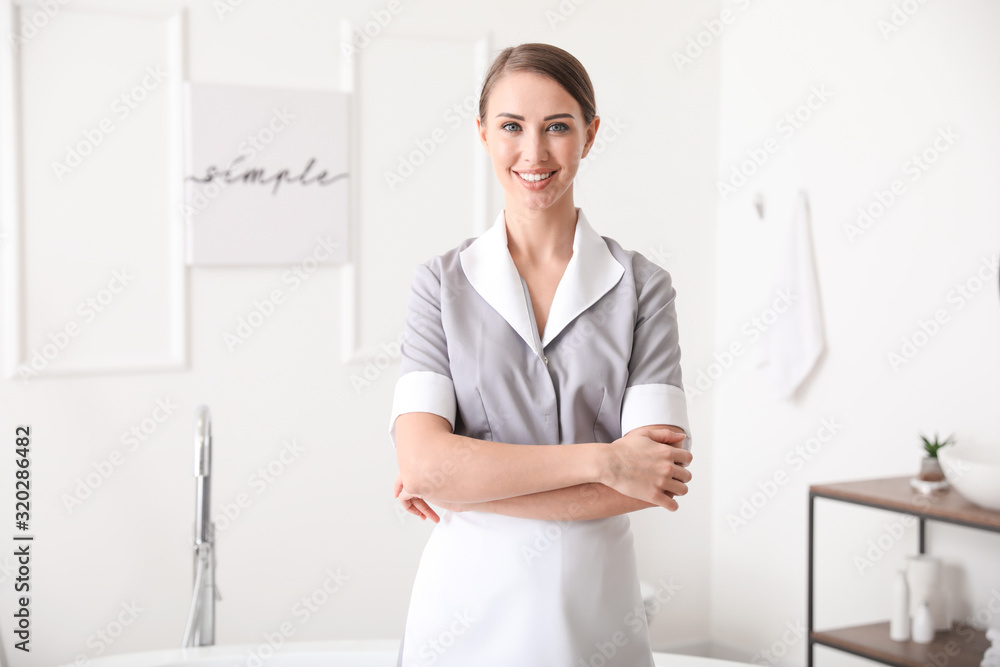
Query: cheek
[503,154]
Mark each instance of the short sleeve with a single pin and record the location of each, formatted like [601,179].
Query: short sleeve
[654,392]
[424,383]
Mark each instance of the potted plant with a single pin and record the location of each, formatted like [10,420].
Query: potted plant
[930,467]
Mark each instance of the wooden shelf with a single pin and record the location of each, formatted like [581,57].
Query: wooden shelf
[963,646]
[895,493]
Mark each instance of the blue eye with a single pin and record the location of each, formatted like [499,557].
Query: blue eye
[563,125]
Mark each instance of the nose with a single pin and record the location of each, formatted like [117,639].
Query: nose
[535,148]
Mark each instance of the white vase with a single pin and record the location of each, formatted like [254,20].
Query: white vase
[899,622]
[923,625]
[922,575]
[944,613]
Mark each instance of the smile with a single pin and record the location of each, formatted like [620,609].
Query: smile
[534,178]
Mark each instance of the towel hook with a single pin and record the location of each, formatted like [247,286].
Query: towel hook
[759,205]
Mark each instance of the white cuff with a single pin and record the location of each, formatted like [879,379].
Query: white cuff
[423,391]
[645,404]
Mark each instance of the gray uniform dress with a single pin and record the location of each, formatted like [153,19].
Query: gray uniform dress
[492,589]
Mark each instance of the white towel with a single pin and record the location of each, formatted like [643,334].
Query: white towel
[791,345]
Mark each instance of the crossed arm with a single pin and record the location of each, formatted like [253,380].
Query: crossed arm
[591,500]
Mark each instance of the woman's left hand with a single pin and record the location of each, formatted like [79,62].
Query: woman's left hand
[413,504]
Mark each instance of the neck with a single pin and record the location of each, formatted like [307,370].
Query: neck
[540,236]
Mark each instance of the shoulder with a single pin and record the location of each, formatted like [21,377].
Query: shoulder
[441,269]
[642,273]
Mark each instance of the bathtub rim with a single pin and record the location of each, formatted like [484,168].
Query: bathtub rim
[154,657]
[157,657]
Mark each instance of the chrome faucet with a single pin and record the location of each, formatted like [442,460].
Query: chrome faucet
[200,628]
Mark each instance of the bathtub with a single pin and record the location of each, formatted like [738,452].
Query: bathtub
[360,653]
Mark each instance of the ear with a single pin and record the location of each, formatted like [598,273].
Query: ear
[481,131]
[591,135]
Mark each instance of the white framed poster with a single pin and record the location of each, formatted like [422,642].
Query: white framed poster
[266,175]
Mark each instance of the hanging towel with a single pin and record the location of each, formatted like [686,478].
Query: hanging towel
[792,345]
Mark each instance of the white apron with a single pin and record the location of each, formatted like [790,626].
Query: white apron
[498,590]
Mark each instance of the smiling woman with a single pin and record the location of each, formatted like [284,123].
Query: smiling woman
[539,332]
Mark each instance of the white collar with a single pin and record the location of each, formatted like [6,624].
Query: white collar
[591,272]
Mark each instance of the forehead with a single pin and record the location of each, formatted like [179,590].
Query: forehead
[527,92]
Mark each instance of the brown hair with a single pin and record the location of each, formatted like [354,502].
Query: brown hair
[547,60]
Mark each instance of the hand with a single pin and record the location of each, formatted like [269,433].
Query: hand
[411,503]
[649,464]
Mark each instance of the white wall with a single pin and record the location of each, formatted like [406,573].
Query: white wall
[650,187]
[889,95]
[654,189]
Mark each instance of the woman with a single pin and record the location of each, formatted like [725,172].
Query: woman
[539,332]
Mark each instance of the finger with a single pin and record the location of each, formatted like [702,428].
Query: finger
[682,457]
[428,510]
[678,488]
[416,511]
[664,501]
[666,434]
[411,506]
[682,474]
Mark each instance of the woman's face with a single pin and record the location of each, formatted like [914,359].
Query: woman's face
[534,126]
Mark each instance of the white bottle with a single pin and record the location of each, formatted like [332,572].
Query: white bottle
[923,624]
[899,623]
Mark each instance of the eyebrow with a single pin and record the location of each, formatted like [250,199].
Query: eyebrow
[516,117]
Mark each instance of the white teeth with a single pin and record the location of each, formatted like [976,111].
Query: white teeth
[534,178]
